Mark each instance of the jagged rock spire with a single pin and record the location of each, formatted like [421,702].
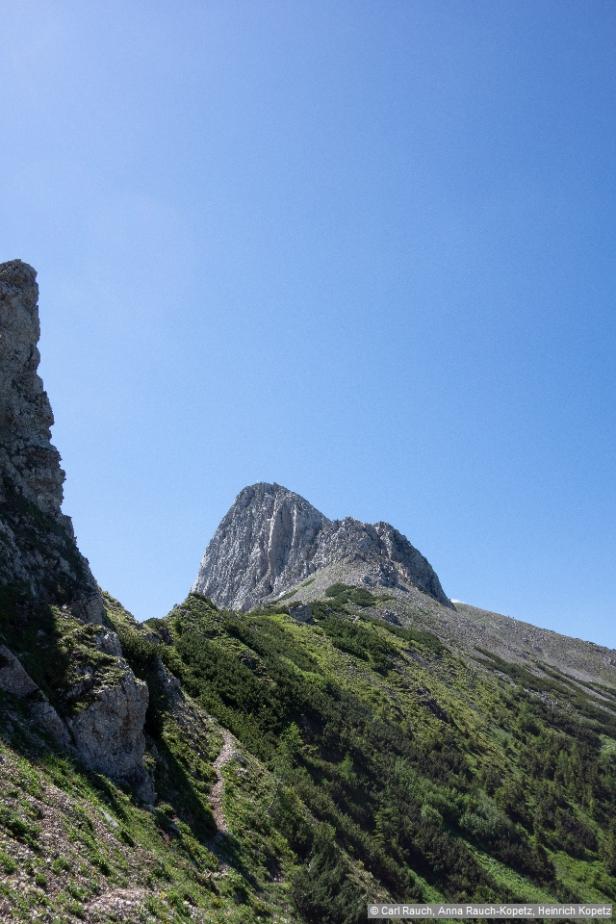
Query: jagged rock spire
[38,553]
[271,539]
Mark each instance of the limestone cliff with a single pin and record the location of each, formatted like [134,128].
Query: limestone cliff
[272,538]
[38,554]
[56,654]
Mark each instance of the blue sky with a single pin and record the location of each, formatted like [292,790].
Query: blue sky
[364,249]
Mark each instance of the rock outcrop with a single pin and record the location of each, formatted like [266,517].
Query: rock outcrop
[51,610]
[109,731]
[17,682]
[38,554]
[272,539]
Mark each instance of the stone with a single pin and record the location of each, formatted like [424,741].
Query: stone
[272,539]
[170,689]
[108,642]
[101,718]
[13,677]
[15,680]
[109,731]
[38,553]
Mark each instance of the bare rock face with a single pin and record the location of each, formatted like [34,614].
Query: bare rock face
[46,587]
[25,412]
[272,539]
[109,731]
[264,544]
[38,554]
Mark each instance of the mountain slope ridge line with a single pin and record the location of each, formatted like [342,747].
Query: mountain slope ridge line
[369,740]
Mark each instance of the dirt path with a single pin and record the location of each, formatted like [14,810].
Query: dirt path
[226,754]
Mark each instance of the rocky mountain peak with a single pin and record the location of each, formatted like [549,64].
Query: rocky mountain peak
[263,541]
[271,539]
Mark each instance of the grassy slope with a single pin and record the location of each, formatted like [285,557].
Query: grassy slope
[74,846]
[370,762]
[437,778]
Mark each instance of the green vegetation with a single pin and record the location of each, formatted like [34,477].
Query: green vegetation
[370,762]
[60,653]
[407,763]
[343,594]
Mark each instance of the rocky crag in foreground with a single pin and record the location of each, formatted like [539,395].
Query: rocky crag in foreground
[71,673]
[47,564]
[272,539]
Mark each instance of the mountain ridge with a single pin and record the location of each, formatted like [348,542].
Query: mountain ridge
[273,548]
[271,538]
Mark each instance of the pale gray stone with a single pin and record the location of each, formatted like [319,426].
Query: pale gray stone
[109,730]
[272,539]
[109,642]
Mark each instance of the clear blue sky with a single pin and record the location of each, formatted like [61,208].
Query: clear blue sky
[364,249]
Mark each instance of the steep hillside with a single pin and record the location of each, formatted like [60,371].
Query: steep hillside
[306,765]
[76,846]
[435,778]
[358,737]
[473,631]
[273,545]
